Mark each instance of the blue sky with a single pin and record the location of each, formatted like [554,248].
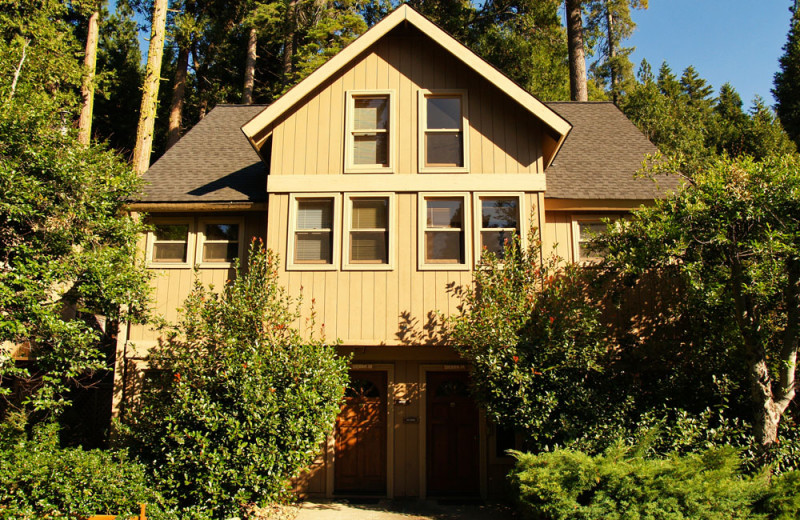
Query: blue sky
[736,41]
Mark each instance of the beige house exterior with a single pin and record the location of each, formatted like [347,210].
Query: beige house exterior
[378,180]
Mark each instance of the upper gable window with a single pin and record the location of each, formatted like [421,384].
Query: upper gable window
[370,132]
[443,139]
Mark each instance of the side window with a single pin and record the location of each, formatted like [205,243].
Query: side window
[497,220]
[370,132]
[312,243]
[443,136]
[369,240]
[171,243]
[583,229]
[443,230]
[220,242]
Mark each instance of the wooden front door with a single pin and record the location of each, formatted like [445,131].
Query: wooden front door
[360,464]
[452,436]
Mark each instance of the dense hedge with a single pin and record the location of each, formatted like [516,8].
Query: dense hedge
[570,485]
[40,480]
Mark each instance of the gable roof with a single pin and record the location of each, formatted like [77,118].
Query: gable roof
[212,162]
[404,13]
[599,158]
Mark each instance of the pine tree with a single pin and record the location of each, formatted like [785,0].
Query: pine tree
[787,80]
[577,57]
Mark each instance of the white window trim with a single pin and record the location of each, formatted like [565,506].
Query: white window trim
[190,243]
[421,227]
[201,240]
[391,228]
[336,232]
[478,220]
[577,219]
[422,118]
[391,143]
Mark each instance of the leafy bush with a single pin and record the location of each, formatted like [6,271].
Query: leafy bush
[783,500]
[242,401]
[566,484]
[40,480]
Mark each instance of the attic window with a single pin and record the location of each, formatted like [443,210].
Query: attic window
[370,132]
[443,139]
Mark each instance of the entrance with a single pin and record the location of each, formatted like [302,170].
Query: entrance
[360,447]
[452,436]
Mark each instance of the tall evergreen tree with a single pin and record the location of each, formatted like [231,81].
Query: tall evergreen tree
[577,57]
[787,80]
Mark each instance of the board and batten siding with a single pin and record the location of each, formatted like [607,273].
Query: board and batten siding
[395,307]
[309,138]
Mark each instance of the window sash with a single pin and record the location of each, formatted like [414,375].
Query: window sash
[450,250]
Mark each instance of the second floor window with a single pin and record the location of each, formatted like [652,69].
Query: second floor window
[313,235]
[499,221]
[442,139]
[443,231]
[369,231]
[369,132]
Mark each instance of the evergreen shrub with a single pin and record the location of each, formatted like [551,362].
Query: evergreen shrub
[241,401]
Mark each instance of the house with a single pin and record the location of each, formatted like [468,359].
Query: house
[378,180]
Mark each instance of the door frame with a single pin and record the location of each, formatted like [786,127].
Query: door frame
[330,450]
[423,428]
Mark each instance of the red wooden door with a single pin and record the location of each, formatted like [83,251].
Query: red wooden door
[360,463]
[452,436]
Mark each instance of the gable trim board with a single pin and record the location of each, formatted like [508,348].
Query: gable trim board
[254,129]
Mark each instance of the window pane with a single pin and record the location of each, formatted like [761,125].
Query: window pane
[445,247]
[495,241]
[500,213]
[370,213]
[443,149]
[172,231]
[169,253]
[370,149]
[371,113]
[368,247]
[222,252]
[315,214]
[444,213]
[222,232]
[444,112]
[589,229]
[312,248]
[586,230]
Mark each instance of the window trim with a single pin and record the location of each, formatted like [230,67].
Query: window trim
[335,232]
[422,127]
[391,228]
[201,240]
[190,243]
[391,142]
[478,214]
[588,218]
[422,265]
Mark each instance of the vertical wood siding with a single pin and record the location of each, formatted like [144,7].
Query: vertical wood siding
[309,139]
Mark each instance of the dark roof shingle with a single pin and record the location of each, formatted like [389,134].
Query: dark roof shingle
[601,155]
[213,162]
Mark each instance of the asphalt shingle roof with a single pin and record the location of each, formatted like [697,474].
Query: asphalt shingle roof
[213,162]
[601,155]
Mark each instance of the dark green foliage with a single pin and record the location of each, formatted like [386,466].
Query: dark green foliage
[40,480]
[534,340]
[783,500]
[241,402]
[787,81]
[618,484]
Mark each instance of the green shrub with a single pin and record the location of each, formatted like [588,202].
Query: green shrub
[783,499]
[242,402]
[40,480]
[566,484]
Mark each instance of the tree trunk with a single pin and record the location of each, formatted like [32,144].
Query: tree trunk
[577,59]
[250,67]
[178,94]
[87,88]
[288,43]
[612,54]
[147,113]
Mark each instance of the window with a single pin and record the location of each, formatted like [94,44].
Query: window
[584,227]
[497,218]
[220,242]
[443,141]
[312,244]
[171,243]
[369,240]
[370,132]
[443,222]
